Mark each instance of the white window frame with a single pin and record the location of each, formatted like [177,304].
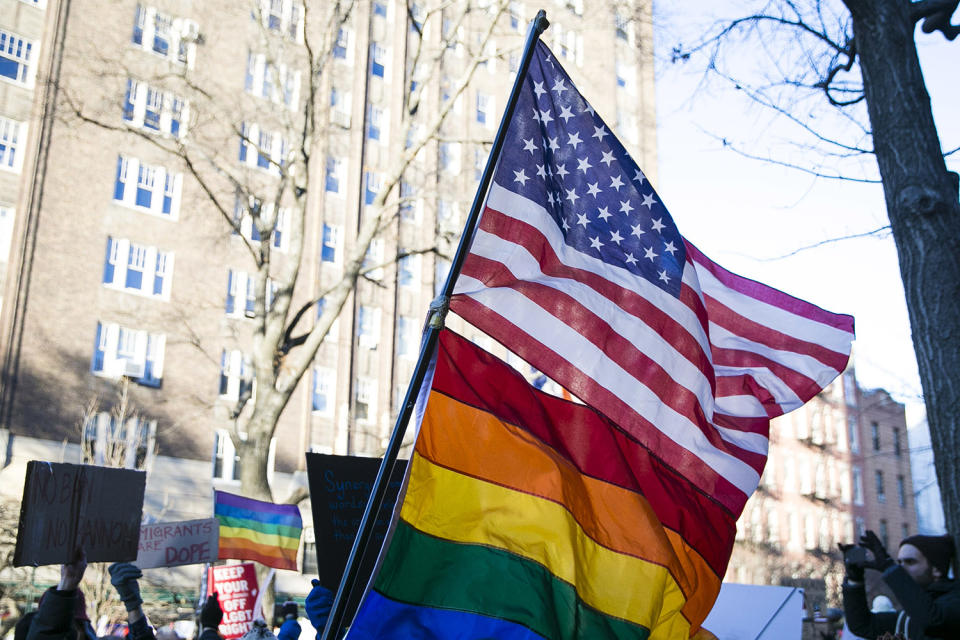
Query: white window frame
[139,92]
[125,351]
[408,343]
[184,35]
[272,81]
[7,216]
[128,173]
[341,105]
[336,242]
[253,138]
[857,475]
[380,55]
[344,40]
[120,251]
[411,206]
[289,15]
[412,264]
[486,105]
[23,53]
[449,157]
[366,391]
[325,382]
[374,257]
[368,326]
[236,368]
[13,136]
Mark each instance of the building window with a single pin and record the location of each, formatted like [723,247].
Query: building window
[121,351]
[152,109]
[441,268]
[284,17]
[136,268]
[897,450]
[309,566]
[236,375]
[110,439]
[860,526]
[850,389]
[226,462]
[334,175]
[246,226]
[274,81]
[515,13]
[450,157]
[365,400]
[371,187]
[408,340]
[331,243]
[12,133]
[881,493]
[854,434]
[410,204]
[884,533]
[904,531]
[341,48]
[241,294]
[323,388]
[372,265]
[375,123]
[484,107]
[15,62]
[340,102]
[875,435]
[857,486]
[380,9]
[378,60]
[901,491]
[622,26]
[170,37]
[150,188]
[368,326]
[7,216]
[408,271]
[262,148]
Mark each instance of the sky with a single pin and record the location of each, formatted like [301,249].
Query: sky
[747,214]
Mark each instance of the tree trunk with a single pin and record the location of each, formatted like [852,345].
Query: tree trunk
[924,212]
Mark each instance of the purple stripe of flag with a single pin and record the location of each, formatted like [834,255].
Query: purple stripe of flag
[233,500]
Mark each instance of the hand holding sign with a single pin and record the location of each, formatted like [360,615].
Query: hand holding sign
[72,572]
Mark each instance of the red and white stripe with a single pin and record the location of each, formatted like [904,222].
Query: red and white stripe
[694,378]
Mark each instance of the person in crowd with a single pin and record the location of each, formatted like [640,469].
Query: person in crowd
[919,580]
[259,631]
[62,611]
[123,577]
[317,606]
[210,616]
[290,629]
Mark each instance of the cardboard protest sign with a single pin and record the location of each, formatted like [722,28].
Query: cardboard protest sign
[171,544]
[237,589]
[339,489]
[66,506]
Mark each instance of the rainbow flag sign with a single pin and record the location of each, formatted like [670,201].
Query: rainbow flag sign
[529,517]
[255,530]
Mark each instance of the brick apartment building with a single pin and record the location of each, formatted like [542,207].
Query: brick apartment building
[119,266]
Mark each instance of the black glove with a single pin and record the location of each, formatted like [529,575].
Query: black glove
[211,614]
[123,576]
[881,559]
[853,561]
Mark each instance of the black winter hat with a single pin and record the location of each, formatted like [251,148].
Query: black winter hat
[289,608]
[938,550]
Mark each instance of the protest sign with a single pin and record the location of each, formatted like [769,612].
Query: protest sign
[339,489]
[66,506]
[171,544]
[236,586]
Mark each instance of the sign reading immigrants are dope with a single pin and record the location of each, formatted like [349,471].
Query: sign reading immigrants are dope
[71,506]
[236,586]
[171,544]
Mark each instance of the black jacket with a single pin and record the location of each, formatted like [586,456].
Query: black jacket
[931,612]
[54,620]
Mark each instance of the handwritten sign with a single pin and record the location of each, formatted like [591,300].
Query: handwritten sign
[339,489]
[236,586]
[171,544]
[66,506]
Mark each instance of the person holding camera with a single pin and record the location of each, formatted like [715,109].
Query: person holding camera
[918,578]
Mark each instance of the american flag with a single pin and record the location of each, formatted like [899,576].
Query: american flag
[578,268]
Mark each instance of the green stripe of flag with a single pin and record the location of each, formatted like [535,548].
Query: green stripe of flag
[422,569]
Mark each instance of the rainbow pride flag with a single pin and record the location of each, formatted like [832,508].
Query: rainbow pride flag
[255,530]
[532,517]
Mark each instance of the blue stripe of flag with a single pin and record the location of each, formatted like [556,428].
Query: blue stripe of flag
[220,509]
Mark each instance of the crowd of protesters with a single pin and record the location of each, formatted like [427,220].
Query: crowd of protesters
[62,612]
[919,579]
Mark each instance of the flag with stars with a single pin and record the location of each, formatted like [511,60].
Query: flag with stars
[578,268]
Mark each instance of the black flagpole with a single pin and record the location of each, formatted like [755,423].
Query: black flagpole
[434,324]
